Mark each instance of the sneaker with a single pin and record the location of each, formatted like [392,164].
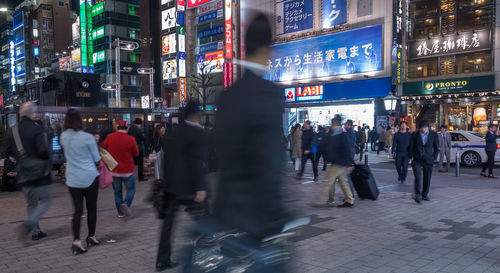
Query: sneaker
[40,235]
[330,203]
[120,215]
[315,179]
[125,210]
[345,205]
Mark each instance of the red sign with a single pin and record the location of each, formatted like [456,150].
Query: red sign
[182,91]
[305,93]
[194,3]
[181,4]
[228,75]
[65,63]
[35,41]
[213,6]
[228,29]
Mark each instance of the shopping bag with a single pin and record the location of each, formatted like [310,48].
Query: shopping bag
[105,177]
[108,159]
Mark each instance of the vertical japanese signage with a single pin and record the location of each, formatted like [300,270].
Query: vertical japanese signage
[182,91]
[181,5]
[397,42]
[181,48]
[85,36]
[12,67]
[294,15]
[182,51]
[334,13]
[228,41]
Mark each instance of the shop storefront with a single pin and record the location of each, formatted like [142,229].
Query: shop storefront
[468,103]
[320,103]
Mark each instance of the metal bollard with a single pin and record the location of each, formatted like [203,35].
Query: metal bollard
[366,160]
[457,163]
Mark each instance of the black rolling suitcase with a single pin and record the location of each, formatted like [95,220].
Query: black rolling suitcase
[364,182]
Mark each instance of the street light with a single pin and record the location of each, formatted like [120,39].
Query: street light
[390,102]
[121,45]
[149,71]
[4,9]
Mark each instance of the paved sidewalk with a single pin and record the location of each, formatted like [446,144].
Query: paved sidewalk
[457,231]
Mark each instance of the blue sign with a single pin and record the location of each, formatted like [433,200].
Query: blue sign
[182,55]
[180,18]
[209,47]
[334,13]
[210,16]
[372,88]
[348,52]
[210,32]
[294,15]
[35,51]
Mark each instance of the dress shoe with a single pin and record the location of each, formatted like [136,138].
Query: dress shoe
[77,250]
[162,267]
[92,242]
[418,199]
[345,205]
[491,176]
[330,203]
[483,174]
[315,179]
[442,171]
[40,235]
[426,198]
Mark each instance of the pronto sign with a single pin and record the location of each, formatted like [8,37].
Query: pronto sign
[459,85]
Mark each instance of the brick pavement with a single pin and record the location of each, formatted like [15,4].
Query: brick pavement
[457,231]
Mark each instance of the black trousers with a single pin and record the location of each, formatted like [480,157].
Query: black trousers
[423,174]
[306,157]
[171,205]
[490,163]
[402,166]
[373,145]
[90,195]
[381,147]
[317,158]
[361,147]
[139,161]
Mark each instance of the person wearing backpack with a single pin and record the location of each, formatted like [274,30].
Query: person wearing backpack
[27,143]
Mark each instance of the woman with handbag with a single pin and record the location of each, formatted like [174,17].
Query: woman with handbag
[82,177]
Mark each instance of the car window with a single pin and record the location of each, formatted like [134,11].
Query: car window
[478,135]
[458,137]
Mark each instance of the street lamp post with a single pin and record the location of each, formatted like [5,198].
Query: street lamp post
[121,45]
[390,102]
[150,71]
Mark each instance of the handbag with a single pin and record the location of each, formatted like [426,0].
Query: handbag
[29,168]
[105,177]
[108,159]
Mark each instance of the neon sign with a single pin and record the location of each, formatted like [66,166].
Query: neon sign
[12,67]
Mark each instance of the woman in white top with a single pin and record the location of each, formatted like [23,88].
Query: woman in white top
[82,177]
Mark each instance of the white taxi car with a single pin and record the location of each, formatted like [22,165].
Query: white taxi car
[471,146]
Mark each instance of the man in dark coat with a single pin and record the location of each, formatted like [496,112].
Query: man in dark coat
[249,145]
[37,192]
[400,151]
[308,142]
[423,150]
[490,149]
[136,131]
[184,176]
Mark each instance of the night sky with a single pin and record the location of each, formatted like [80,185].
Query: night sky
[10,3]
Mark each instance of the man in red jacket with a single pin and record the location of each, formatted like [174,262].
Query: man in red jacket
[123,148]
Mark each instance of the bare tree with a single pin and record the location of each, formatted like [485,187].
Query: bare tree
[200,85]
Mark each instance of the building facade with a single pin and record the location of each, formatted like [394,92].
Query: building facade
[6,35]
[450,74]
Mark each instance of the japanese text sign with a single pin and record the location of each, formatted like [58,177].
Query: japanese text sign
[294,15]
[348,52]
[334,13]
[451,44]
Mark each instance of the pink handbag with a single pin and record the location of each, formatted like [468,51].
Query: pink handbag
[105,178]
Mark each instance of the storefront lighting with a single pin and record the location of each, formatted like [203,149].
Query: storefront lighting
[479,60]
[390,102]
[419,68]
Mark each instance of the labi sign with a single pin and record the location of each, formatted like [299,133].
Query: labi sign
[449,86]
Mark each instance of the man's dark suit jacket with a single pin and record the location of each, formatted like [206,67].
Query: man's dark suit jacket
[424,153]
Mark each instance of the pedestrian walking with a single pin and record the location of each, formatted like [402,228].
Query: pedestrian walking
[297,147]
[321,146]
[82,177]
[423,151]
[339,155]
[374,139]
[381,139]
[123,148]
[308,138]
[248,145]
[389,137]
[491,148]
[184,181]
[26,142]
[399,151]
[136,131]
[445,148]
[360,141]
[349,129]
[156,149]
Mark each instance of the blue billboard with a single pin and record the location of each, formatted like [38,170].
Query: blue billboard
[294,15]
[334,13]
[210,32]
[348,52]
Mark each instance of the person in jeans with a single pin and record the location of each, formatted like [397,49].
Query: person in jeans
[37,192]
[381,139]
[444,148]
[123,148]
[340,155]
[491,149]
[308,138]
[423,150]
[82,177]
[399,151]
[136,131]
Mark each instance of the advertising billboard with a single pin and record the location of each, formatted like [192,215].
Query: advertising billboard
[64,63]
[294,15]
[168,44]
[210,16]
[168,18]
[98,57]
[334,13]
[447,86]
[209,7]
[169,70]
[75,29]
[210,32]
[210,62]
[182,91]
[348,52]
[164,2]
[194,3]
[76,58]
